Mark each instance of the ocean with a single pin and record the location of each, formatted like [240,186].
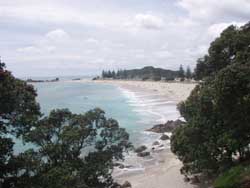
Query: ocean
[134,109]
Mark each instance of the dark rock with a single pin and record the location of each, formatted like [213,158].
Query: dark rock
[126,184]
[140,149]
[186,179]
[156,143]
[195,180]
[170,126]
[143,154]
[164,137]
[117,164]
[121,166]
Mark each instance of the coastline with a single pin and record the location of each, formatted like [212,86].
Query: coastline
[166,172]
[174,91]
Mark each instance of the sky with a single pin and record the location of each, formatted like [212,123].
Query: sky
[83,37]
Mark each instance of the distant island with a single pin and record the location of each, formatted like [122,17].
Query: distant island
[147,73]
[35,81]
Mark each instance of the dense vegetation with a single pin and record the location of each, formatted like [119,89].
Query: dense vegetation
[68,150]
[148,73]
[230,48]
[216,136]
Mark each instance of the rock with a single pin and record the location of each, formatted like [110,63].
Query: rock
[156,143]
[126,184]
[143,154]
[170,126]
[186,179]
[195,180]
[164,137]
[121,166]
[117,164]
[140,149]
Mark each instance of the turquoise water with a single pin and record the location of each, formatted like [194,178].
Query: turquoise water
[135,111]
[80,97]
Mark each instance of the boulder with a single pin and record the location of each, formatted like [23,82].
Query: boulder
[164,137]
[186,179]
[195,180]
[156,143]
[126,184]
[143,154]
[140,149]
[170,126]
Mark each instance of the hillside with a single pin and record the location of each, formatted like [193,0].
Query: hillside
[146,73]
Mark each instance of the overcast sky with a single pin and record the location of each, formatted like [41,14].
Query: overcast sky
[82,37]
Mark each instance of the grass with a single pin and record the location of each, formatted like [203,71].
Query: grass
[233,178]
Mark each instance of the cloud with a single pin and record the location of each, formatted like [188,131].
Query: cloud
[214,10]
[146,21]
[216,29]
[86,35]
[28,49]
[57,35]
[48,43]
[162,54]
[92,41]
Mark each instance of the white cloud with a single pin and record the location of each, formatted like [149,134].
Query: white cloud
[48,43]
[215,29]
[162,54]
[92,41]
[146,21]
[57,35]
[119,34]
[214,10]
[28,49]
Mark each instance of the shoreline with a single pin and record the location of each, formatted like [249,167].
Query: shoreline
[166,173]
[175,91]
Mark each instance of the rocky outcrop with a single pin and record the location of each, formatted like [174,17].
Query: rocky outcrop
[195,180]
[143,154]
[170,126]
[140,149]
[156,143]
[126,184]
[164,137]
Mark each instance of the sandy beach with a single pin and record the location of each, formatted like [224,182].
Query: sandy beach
[167,173]
[175,91]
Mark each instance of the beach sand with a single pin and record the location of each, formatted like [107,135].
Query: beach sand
[165,174]
[175,91]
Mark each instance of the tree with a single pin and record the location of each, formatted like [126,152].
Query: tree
[217,126]
[231,47]
[181,72]
[68,150]
[217,121]
[79,150]
[113,74]
[18,114]
[188,73]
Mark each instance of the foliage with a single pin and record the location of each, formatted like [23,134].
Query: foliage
[18,113]
[217,131]
[233,178]
[217,121]
[69,150]
[146,73]
[231,47]
[188,73]
[181,72]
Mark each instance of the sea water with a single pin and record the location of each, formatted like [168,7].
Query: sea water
[135,111]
